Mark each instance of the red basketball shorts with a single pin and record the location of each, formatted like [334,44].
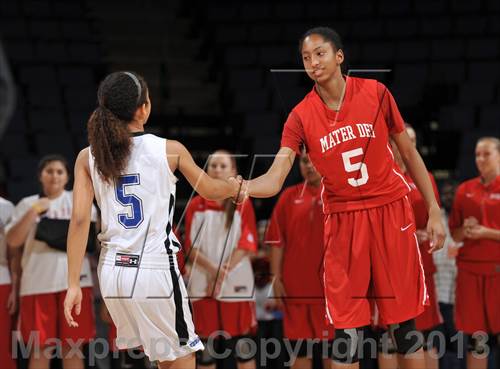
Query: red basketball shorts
[5,330]
[234,318]
[306,321]
[431,317]
[373,254]
[43,315]
[477,305]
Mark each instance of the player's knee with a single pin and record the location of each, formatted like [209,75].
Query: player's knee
[206,357]
[345,345]
[385,343]
[478,344]
[406,337]
[429,343]
[243,347]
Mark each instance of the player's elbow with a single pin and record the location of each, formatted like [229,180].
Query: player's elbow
[13,239]
[79,221]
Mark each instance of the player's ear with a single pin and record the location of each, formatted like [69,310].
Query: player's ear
[339,56]
[141,113]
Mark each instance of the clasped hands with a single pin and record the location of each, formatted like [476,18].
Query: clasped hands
[472,229]
[239,189]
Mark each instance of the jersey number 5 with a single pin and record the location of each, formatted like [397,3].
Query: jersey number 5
[350,167]
[132,201]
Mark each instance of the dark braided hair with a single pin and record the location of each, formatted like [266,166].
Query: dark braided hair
[119,95]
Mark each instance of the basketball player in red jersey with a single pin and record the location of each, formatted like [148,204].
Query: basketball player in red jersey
[296,235]
[345,124]
[475,220]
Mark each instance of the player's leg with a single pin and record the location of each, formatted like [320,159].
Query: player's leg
[296,329]
[347,277]
[38,327]
[409,344]
[345,348]
[185,362]
[323,331]
[387,361]
[477,351]
[41,359]
[239,321]
[430,351]
[476,314]
[71,359]
[428,322]
[398,279]
[206,317]
[386,353]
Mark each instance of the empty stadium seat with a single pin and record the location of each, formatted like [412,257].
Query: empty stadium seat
[477,93]
[457,117]
[489,120]
[47,120]
[55,144]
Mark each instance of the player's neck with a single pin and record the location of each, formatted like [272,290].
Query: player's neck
[53,195]
[487,178]
[332,91]
[135,126]
[315,184]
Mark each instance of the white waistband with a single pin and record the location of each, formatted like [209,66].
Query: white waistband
[146,261]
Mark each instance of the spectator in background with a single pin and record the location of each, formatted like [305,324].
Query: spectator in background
[475,221]
[446,272]
[296,232]
[220,237]
[7,92]
[8,290]
[45,273]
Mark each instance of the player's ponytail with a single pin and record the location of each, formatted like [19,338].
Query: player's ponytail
[119,96]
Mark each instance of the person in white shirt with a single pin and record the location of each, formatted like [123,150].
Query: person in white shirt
[220,238]
[45,272]
[8,290]
[131,175]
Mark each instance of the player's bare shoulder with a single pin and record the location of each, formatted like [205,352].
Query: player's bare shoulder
[174,151]
[82,160]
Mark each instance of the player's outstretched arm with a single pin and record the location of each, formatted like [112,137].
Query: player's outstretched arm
[270,183]
[209,188]
[83,195]
[418,172]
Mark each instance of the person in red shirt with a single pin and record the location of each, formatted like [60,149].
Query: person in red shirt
[431,318]
[475,221]
[345,124]
[219,239]
[296,234]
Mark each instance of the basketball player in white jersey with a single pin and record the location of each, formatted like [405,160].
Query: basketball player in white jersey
[131,175]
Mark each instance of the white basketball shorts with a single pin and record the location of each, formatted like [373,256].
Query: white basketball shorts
[148,302]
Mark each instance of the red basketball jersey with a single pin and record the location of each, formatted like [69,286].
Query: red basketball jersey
[350,148]
[474,199]
[297,225]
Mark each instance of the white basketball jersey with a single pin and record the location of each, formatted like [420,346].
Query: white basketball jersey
[137,209]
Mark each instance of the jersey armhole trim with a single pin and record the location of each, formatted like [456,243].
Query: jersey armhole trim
[171,174]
